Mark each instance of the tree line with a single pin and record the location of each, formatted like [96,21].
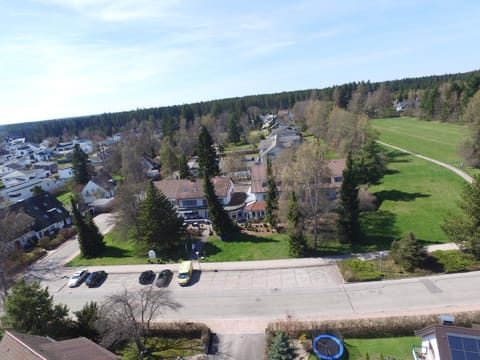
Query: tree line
[441,97]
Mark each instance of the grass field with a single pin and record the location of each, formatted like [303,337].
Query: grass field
[397,348]
[440,141]
[244,247]
[116,253]
[415,195]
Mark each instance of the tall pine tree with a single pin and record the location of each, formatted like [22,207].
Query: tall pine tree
[80,165]
[221,222]
[296,239]
[183,167]
[90,239]
[207,157]
[159,225]
[348,211]
[271,215]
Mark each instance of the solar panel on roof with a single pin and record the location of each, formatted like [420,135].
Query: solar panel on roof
[464,348]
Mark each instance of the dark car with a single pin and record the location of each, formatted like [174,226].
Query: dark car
[96,278]
[164,278]
[146,277]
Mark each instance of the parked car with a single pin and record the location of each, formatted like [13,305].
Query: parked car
[146,277]
[164,278]
[96,278]
[78,277]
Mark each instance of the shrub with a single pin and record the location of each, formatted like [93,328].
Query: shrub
[44,242]
[358,270]
[408,252]
[453,260]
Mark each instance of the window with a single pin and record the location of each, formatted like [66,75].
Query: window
[188,203]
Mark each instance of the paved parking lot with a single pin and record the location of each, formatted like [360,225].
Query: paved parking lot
[307,277]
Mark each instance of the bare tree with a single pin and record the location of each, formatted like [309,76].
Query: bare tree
[307,176]
[129,314]
[12,225]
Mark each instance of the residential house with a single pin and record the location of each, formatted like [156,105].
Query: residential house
[447,342]
[18,346]
[188,198]
[257,193]
[50,167]
[18,185]
[194,166]
[47,213]
[65,147]
[281,138]
[66,172]
[151,167]
[98,187]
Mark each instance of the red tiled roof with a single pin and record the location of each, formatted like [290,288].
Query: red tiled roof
[336,167]
[256,206]
[259,178]
[192,189]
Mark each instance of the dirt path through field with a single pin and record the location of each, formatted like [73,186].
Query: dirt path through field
[457,171]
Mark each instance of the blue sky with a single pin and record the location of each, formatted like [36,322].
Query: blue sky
[62,58]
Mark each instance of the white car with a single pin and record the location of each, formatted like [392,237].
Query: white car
[78,277]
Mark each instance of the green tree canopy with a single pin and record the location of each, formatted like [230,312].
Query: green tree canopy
[183,167]
[207,157]
[89,237]
[80,165]
[221,222]
[296,239]
[464,229]
[272,197]
[30,309]
[281,348]
[348,210]
[159,225]
[408,252]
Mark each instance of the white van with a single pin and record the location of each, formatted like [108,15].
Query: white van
[185,272]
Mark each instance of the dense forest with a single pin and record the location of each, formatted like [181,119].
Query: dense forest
[442,97]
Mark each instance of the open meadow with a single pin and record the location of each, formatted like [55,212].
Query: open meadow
[439,141]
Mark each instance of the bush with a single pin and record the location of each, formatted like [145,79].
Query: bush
[358,270]
[44,242]
[367,328]
[453,260]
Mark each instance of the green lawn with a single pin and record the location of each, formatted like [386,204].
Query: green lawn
[398,348]
[437,140]
[116,253]
[415,195]
[243,247]
[65,199]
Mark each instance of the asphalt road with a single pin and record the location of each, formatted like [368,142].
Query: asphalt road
[243,302]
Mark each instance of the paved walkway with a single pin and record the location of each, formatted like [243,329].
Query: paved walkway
[457,171]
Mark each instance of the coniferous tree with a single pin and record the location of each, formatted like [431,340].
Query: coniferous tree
[271,215]
[31,309]
[89,237]
[371,165]
[183,167]
[97,245]
[207,157]
[80,165]
[407,252]
[159,225]
[348,210]
[234,128]
[296,238]
[281,348]
[464,229]
[221,222]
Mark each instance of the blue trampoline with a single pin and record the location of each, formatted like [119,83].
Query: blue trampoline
[327,347]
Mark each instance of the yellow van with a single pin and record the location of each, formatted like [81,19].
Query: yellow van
[185,272]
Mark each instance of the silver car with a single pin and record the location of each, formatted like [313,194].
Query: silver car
[78,277]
